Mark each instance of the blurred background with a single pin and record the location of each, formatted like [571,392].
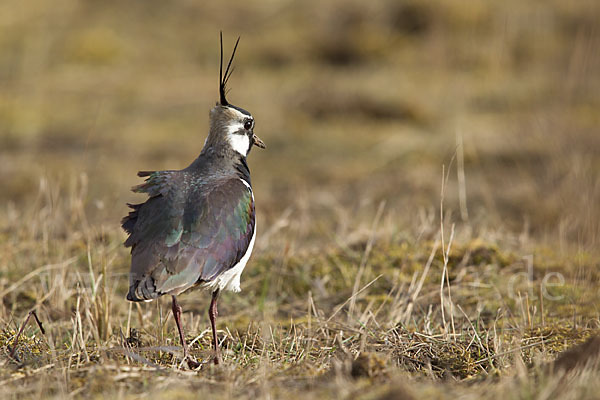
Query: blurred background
[375,114]
[359,103]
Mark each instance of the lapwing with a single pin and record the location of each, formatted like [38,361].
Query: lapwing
[197,228]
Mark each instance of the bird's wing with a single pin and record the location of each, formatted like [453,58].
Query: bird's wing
[183,236]
[159,218]
[218,233]
[154,227]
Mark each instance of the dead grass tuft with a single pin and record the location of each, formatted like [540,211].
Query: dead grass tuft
[363,281]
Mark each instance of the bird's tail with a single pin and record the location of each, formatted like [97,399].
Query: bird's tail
[142,290]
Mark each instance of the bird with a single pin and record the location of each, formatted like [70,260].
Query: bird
[197,227]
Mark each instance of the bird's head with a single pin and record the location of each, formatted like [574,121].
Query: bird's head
[229,124]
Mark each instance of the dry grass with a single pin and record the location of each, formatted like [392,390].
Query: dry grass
[366,281]
[355,320]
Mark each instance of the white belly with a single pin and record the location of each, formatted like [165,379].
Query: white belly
[230,279]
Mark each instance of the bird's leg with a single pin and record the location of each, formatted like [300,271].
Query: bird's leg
[32,312]
[212,314]
[177,316]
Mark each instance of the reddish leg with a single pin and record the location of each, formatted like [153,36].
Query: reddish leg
[177,315]
[12,352]
[212,314]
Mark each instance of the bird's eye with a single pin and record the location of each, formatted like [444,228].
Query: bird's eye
[248,124]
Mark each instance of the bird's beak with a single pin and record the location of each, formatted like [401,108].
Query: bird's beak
[258,142]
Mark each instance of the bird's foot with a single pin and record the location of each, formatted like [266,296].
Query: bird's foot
[192,363]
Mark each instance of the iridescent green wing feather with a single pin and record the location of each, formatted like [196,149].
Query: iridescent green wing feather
[182,237]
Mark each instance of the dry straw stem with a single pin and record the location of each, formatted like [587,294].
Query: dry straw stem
[445,253]
[364,260]
[336,284]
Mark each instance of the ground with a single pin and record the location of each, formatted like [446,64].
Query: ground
[428,221]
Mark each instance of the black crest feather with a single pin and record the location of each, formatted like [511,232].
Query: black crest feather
[223,79]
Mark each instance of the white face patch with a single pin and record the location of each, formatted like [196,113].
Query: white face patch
[239,142]
[237,134]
